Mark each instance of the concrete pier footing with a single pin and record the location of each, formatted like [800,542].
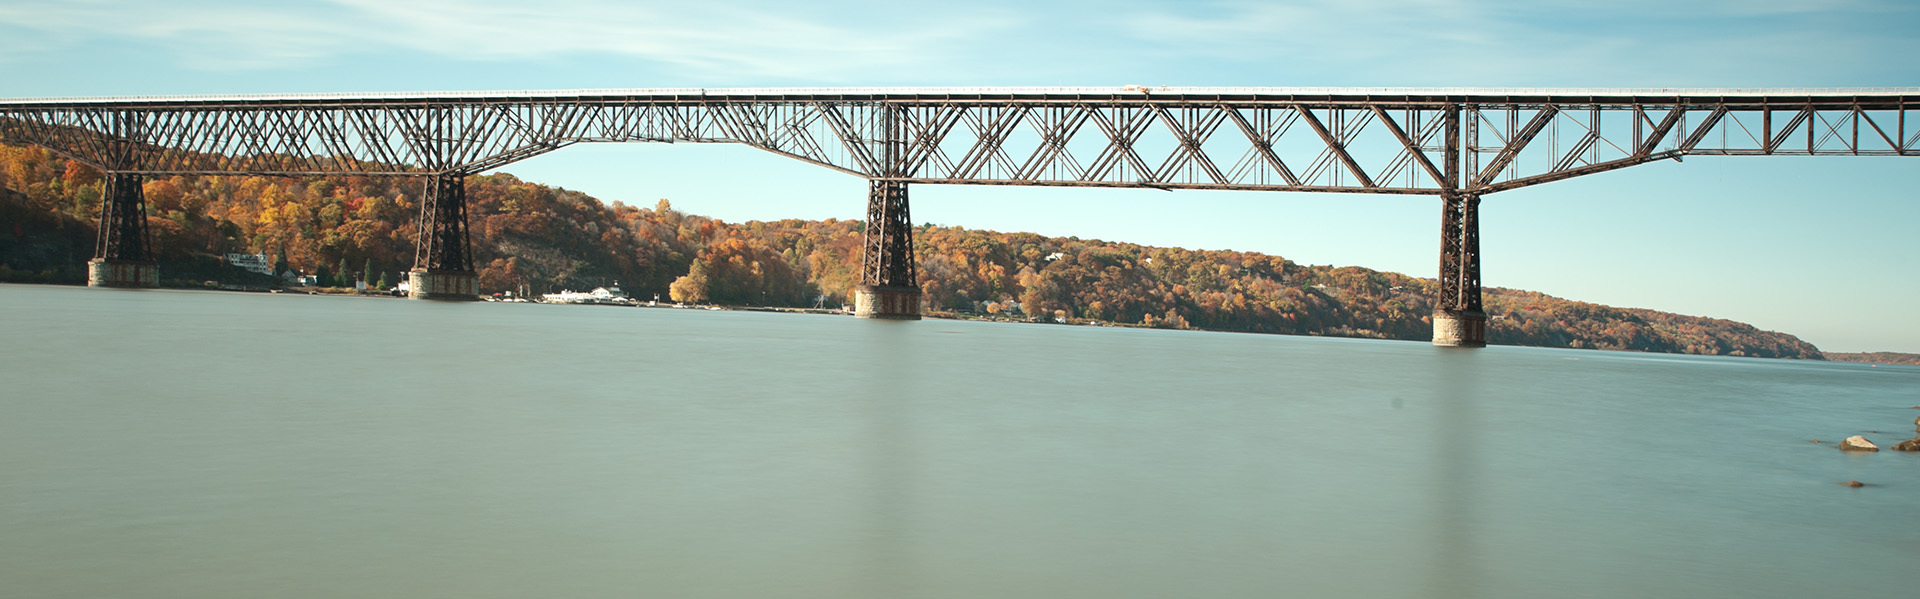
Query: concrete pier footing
[102,272]
[443,285]
[1459,329]
[895,303]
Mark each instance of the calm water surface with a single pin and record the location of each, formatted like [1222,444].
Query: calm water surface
[219,445]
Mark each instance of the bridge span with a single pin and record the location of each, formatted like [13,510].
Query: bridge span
[1456,144]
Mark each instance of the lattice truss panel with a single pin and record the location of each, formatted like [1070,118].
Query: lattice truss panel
[420,140]
[1425,147]
[1173,145]
[1514,146]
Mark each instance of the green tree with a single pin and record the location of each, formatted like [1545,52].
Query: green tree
[366,272]
[346,274]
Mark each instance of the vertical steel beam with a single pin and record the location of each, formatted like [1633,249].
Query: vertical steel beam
[123,250]
[889,237]
[443,255]
[1458,318]
[889,286]
[123,221]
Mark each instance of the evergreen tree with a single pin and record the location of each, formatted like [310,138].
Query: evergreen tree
[346,276]
[321,277]
[366,272]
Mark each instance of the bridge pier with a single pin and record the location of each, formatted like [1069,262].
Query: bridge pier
[1459,319]
[889,287]
[123,252]
[443,256]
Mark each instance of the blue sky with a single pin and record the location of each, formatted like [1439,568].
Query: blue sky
[1819,247]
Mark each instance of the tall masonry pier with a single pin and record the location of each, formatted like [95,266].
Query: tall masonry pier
[1456,144]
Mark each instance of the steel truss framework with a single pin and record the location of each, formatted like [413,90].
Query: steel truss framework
[123,235]
[1456,144]
[444,245]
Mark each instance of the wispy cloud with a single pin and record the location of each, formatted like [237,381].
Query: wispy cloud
[784,40]
[1231,42]
[1544,42]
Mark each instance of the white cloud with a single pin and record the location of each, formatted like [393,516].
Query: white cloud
[784,40]
[1271,42]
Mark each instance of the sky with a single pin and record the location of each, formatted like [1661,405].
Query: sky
[1822,248]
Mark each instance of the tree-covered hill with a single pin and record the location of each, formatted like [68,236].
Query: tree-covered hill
[1879,357]
[532,238]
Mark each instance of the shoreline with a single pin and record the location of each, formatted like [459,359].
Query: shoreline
[1868,358]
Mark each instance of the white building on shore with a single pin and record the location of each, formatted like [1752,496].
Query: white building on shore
[600,295]
[254,262]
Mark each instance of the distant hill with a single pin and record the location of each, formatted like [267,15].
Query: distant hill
[1879,357]
[531,238]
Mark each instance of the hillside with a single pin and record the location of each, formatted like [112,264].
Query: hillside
[532,238]
[1879,357]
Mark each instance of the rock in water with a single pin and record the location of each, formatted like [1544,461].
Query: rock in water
[1858,443]
[1908,445]
[1853,483]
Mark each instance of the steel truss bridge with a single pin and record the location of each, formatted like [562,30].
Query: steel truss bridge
[1457,144]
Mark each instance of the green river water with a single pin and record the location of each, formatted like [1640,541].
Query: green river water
[163,444]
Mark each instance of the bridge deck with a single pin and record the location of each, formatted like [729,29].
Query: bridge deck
[1870,98]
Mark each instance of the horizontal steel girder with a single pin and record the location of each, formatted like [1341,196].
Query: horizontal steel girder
[1364,141]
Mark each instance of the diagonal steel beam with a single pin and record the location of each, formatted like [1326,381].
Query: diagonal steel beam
[1774,143]
[1335,146]
[1706,125]
[1411,147]
[1660,131]
[1516,144]
[1190,142]
[1262,145]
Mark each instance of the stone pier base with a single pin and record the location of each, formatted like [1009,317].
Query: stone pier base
[897,303]
[1459,329]
[443,285]
[102,272]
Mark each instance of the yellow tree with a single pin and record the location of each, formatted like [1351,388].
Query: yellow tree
[691,288]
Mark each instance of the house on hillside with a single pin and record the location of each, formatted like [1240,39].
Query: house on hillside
[254,262]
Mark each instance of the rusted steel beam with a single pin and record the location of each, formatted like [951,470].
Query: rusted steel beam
[443,244]
[1009,137]
[1514,146]
[887,259]
[123,234]
[1411,147]
[1336,146]
[1660,131]
[1570,173]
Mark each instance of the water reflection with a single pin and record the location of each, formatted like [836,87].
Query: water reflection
[1457,382]
[887,380]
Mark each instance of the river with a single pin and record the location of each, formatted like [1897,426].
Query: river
[189,444]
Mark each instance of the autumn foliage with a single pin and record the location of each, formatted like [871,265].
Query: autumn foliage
[531,238]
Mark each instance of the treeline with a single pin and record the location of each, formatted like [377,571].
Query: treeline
[1878,357]
[530,238]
